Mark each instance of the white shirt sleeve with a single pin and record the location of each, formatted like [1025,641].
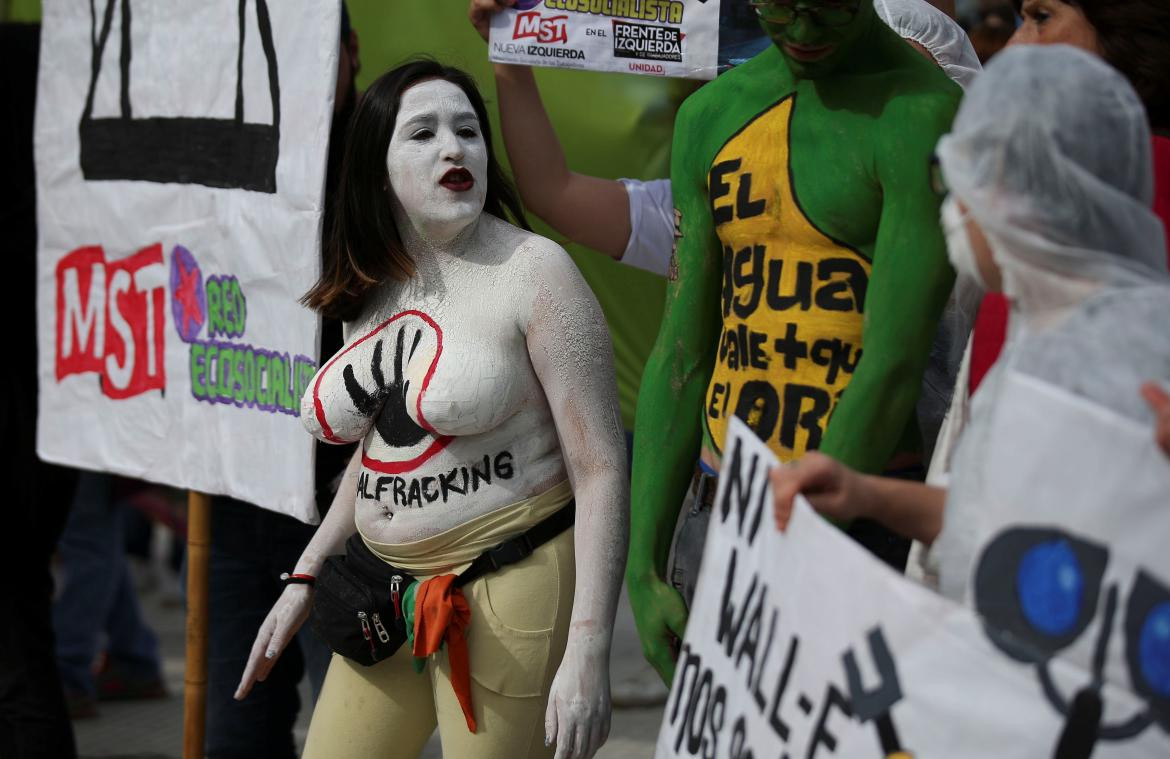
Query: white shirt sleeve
[651,225]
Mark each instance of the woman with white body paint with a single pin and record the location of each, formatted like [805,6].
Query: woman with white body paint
[478,375]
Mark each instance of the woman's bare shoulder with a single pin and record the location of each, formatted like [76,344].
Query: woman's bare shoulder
[527,254]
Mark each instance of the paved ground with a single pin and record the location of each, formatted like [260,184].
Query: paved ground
[154,729]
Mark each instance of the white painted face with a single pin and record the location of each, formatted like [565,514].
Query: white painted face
[437,160]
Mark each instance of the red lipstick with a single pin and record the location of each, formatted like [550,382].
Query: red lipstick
[457,180]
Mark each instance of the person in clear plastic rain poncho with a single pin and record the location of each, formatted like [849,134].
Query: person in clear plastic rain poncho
[934,34]
[1049,191]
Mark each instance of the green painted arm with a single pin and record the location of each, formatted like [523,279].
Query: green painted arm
[908,288]
[668,431]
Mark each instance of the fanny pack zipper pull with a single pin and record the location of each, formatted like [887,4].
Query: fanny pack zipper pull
[366,630]
[395,584]
[383,635]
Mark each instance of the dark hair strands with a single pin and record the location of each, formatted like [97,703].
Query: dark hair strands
[363,248]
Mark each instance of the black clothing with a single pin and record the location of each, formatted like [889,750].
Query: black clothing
[33,719]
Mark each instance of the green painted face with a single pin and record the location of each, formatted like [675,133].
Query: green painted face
[814,35]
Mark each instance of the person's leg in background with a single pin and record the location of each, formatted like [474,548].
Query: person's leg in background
[89,549]
[250,547]
[99,605]
[132,668]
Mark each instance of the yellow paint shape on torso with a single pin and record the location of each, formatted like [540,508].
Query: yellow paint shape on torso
[792,297]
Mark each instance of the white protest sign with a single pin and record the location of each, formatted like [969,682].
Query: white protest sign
[656,37]
[802,645]
[180,155]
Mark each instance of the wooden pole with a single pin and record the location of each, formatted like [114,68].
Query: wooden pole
[195,679]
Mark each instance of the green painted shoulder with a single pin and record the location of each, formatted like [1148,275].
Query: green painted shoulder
[913,79]
[924,106]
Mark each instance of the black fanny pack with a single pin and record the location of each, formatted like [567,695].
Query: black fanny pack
[358,600]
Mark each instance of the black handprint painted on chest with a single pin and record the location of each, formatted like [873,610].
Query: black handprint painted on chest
[388,400]
[367,392]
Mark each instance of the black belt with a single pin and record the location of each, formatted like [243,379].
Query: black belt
[520,547]
[703,487]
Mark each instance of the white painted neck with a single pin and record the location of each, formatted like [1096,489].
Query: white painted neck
[426,240]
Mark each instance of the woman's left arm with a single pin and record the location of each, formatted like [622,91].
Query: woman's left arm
[569,345]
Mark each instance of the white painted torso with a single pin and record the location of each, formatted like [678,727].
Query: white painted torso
[487,436]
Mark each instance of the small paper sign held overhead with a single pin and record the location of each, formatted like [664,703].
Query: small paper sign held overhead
[656,37]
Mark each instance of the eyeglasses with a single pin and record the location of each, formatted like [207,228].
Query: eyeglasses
[827,13]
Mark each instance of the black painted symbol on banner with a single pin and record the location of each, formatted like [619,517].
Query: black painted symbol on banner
[228,153]
[394,424]
[1055,581]
[876,705]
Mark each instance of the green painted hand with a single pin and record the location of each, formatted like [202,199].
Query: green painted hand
[661,618]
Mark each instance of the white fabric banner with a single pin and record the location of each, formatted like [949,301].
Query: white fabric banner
[655,37]
[180,154]
[803,645]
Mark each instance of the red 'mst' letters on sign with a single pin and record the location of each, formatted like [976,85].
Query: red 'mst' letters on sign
[541,28]
[110,319]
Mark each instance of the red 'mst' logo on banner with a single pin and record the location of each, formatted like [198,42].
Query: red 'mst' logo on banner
[533,25]
[110,319]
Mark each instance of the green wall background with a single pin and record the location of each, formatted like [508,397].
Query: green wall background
[22,10]
[611,125]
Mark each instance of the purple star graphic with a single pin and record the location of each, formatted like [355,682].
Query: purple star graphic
[189,302]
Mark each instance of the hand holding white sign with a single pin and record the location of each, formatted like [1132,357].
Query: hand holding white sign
[800,643]
[480,14]
[833,489]
[1159,401]
[842,495]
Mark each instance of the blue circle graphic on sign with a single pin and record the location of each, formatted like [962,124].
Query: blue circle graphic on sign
[1154,649]
[1051,585]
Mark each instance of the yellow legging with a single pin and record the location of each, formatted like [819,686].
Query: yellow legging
[519,624]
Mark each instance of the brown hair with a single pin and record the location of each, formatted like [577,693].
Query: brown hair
[363,247]
[1135,35]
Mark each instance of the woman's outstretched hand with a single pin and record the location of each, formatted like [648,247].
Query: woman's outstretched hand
[480,14]
[833,489]
[282,623]
[577,716]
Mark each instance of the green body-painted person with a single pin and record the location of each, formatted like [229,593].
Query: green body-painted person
[808,232]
